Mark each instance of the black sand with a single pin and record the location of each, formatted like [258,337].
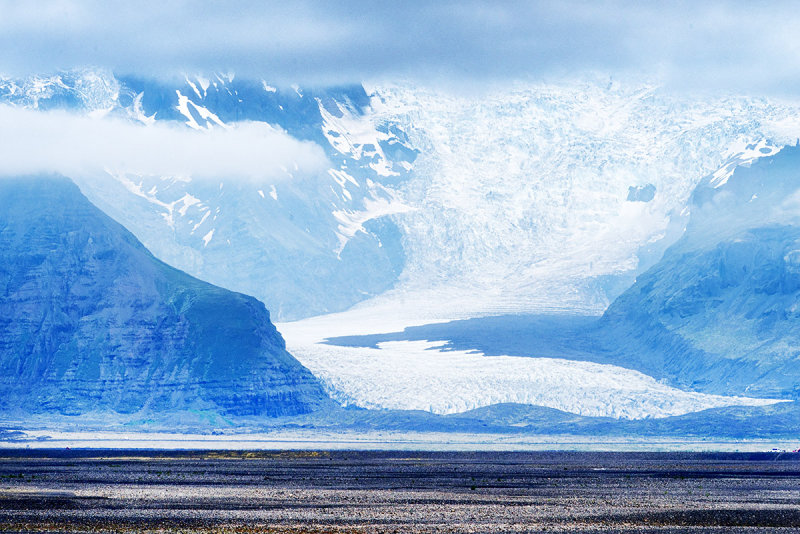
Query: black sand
[157,491]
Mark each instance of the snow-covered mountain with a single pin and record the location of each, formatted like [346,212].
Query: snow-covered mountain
[303,243]
[514,198]
[436,204]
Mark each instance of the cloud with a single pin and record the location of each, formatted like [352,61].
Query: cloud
[57,141]
[718,44]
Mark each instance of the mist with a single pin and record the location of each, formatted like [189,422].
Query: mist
[60,142]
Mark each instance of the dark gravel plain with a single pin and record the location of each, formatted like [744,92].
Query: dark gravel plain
[349,491]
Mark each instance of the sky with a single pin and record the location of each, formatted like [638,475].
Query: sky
[747,46]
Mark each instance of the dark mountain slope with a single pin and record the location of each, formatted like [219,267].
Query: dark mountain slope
[91,321]
[721,311]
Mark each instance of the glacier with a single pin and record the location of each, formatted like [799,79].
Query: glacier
[445,369]
[510,199]
[521,190]
[712,320]
[440,205]
[409,375]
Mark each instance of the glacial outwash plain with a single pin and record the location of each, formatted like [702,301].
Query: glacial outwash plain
[358,491]
[399,267]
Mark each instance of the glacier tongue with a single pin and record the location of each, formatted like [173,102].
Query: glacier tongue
[520,201]
[420,375]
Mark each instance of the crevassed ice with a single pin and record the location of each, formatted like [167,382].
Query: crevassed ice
[414,375]
[417,375]
[524,187]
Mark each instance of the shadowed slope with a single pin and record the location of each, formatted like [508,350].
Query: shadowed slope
[91,321]
[721,311]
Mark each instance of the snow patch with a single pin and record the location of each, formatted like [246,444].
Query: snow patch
[204,83]
[194,87]
[207,238]
[205,216]
[743,153]
[352,221]
[356,137]
[187,200]
[138,111]
[341,177]
[184,104]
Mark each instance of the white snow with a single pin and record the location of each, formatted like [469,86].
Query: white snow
[356,136]
[352,221]
[260,192]
[194,87]
[743,152]
[138,111]
[268,88]
[187,200]
[136,189]
[341,177]
[167,210]
[210,118]
[273,192]
[204,83]
[207,237]
[205,216]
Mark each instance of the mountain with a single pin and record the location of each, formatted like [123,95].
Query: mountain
[90,321]
[441,205]
[515,198]
[303,243]
[721,311]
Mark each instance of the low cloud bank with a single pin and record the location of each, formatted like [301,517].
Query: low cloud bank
[34,142]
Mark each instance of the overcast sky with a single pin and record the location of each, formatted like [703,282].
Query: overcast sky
[744,47]
[749,46]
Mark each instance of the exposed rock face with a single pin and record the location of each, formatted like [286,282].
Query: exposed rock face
[91,321]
